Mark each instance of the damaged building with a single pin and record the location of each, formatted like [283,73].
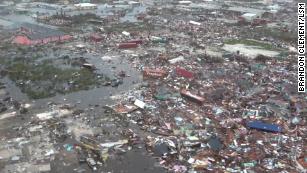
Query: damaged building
[31,34]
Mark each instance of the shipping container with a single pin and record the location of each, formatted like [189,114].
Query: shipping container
[155,73]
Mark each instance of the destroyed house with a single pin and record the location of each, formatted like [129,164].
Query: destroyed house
[31,34]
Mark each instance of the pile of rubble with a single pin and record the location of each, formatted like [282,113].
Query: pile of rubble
[226,116]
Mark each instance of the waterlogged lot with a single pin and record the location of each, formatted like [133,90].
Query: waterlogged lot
[41,77]
[35,78]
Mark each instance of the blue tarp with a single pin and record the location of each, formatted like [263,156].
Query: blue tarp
[264,126]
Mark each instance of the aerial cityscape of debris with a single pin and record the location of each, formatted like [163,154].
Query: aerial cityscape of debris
[153,86]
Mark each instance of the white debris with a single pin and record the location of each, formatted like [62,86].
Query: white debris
[125,33]
[194,23]
[175,60]
[7,115]
[9,153]
[86,6]
[139,104]
[116,97]
[26,105]
[112,144]
[80,46]
[44,168]
[249,16]
[46,115]
[106,58]
[191,160]
[35,128]
[292,49]
[185,2]
[51,114]
[15,158]
[134,3]
[154,38]
[50,152]
[250,51]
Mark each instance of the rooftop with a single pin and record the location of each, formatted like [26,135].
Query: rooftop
[41,32]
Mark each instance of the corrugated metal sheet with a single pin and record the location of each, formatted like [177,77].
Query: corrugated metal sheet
[184,73]
[192,97]
[127,45]
[135,41]
[22,40]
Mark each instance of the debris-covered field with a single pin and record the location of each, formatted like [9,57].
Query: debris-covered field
[150,86]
